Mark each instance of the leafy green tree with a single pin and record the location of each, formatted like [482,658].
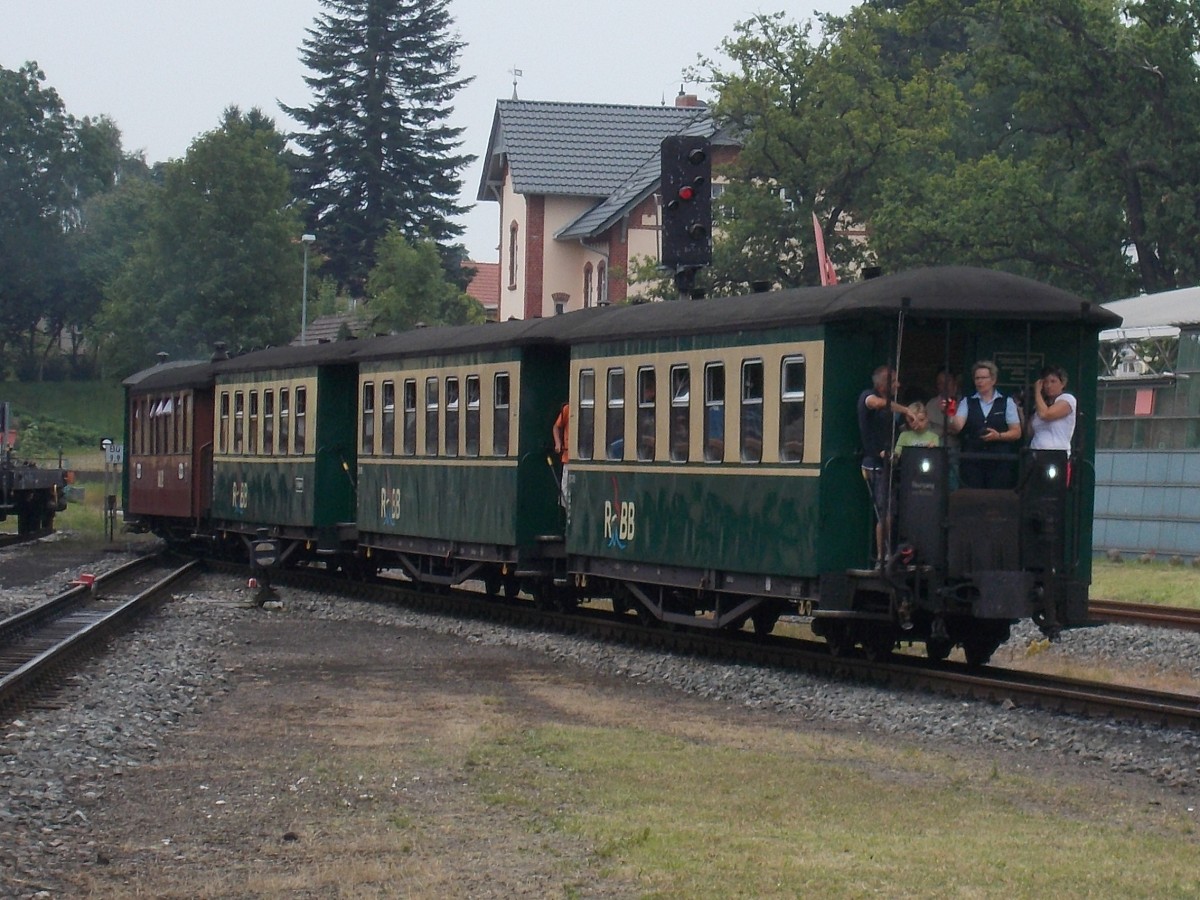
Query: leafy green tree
[409,286]
[50,165]
[219,260]
[1058,139]
[377,150]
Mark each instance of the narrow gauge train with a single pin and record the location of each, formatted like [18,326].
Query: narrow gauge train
[30,492]
[714,476]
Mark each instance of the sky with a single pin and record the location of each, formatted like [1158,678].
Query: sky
[164,70]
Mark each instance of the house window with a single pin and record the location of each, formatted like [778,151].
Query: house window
[586,425]
[714,412]
[752,410]
[601,284]
[431,416]
[500,404]
[410,417]
[681,412]
[791,410]
[472,437]
[614,425]
[512,256]
[646,410]
[587,285]
[387,423]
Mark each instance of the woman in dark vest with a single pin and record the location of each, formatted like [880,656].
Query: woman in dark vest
[989,426]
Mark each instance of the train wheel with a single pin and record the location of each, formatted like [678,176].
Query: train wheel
[764,619]
[938,648]
[878,646]
[838,640]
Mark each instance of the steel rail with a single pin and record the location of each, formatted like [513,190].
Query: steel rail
[1176,617]
[42,640]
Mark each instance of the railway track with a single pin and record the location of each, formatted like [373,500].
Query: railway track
[40,644]
[12,538]
[1145,614]
[1000,686]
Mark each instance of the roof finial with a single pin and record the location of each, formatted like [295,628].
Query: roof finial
[515,73]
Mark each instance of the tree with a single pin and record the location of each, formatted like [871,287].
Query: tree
[408,286]
[50,165]
[219,259]
[377,150]
[1056,139]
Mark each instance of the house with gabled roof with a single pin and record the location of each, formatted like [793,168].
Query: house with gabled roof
[576,184]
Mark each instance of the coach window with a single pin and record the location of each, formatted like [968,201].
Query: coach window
[500,402]
[451,417]
[284,421]
[387,422]
[646,413]
[239,421]
[254,422]
[410,417]
[614,424]
[368,418]
[586,425]
[301,421]
[714,412]
[472,437]
[223,428]
[269,423]
[681,412]
[431,416]
[752,410]
[791,410]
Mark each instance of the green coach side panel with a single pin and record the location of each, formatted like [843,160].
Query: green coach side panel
[731,515]
[501,500]
[309,489]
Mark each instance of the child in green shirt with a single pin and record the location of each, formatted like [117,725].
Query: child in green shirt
[919,435]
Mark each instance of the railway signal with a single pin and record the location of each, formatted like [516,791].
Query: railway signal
[686,201]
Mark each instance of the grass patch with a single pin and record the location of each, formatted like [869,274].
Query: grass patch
[1154,582]
[820,816]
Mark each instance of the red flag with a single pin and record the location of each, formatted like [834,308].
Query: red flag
[828,273]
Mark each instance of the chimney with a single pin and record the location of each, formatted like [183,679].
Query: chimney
[686,100]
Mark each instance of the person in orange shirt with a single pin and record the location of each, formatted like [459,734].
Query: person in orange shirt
[560,431]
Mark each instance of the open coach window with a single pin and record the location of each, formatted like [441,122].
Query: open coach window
[500,411]
[614,425]
[586,417]
[681,410]
[791,410]
[646,426]
[752,410]
[714,412]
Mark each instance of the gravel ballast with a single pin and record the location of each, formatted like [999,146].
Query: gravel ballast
[58,761]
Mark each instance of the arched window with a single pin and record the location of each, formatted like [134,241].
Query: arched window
[601,284]
[512,254]
[587,285]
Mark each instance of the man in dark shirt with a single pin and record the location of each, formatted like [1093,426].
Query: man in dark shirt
[877,425]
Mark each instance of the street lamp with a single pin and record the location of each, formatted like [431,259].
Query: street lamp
[306,240]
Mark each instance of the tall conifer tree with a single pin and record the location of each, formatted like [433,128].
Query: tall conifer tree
[377,149]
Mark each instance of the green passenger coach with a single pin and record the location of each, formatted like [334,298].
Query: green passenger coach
[454,478]
[284,457]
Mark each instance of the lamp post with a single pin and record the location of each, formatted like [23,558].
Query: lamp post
[306,240]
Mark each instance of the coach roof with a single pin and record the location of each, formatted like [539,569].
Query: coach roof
[949,292]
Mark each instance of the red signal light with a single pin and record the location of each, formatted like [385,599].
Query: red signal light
[687,192]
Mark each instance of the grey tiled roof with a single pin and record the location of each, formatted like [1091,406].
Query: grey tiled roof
[576,149]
